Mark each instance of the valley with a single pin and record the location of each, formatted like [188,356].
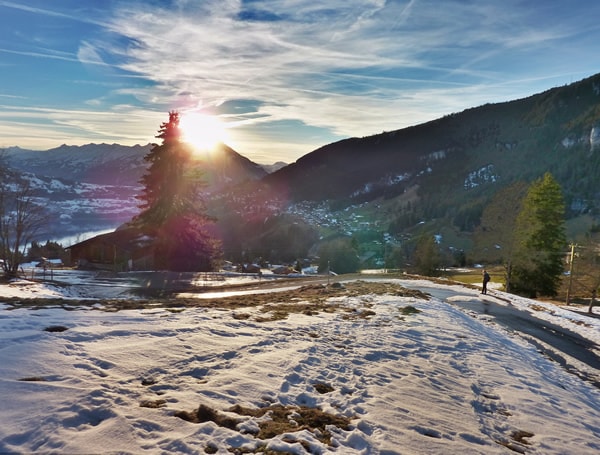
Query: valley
[383,191]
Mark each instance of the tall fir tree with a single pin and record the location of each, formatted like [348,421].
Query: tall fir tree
[173,212]
[166,192]
[540,229]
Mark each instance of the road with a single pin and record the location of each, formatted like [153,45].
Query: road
[575,353]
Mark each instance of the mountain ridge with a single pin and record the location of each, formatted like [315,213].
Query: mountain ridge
[116,164]
[446,170]
[513,140]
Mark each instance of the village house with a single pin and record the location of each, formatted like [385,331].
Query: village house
[121,250]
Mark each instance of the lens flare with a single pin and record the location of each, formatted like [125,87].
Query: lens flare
[202,131]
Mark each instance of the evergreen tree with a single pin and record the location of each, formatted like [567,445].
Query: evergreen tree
[339,256]
[427,258]
[51,250]
[167,191]
[540,229]
[173,212]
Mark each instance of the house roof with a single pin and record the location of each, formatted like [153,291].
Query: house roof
[124,239]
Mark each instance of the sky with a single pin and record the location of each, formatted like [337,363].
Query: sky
[281,77]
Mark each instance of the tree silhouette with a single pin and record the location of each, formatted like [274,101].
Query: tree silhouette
[21,218]
[173,211]
[167,190]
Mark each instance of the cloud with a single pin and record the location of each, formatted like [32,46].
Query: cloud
[317,64]
[47,54]
[333,69]
[88,55]
[36,128]
[51,13]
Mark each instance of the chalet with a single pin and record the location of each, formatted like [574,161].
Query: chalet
[120,250]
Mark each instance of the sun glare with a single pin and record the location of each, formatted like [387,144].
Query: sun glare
[202,131]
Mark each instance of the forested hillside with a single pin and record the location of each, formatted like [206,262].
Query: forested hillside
[451,167]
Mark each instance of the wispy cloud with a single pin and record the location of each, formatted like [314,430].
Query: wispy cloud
[337,68]
[51,12]
[74,126]
[49,54]
[354,68]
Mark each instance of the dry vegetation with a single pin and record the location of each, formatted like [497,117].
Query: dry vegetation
[280,419]
[308,299]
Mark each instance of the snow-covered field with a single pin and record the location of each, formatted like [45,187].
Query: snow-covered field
[388,380]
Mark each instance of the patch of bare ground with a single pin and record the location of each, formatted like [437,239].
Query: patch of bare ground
[272,420]
[56,328]
[409,309]
[517,442]
[153,404]
[310,299]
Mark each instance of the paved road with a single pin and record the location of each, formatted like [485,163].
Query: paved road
[562,345]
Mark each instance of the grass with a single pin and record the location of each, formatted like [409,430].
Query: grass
[409,309]
[518,441]
[474,276]
[310,299]
[153,404]
[281,419]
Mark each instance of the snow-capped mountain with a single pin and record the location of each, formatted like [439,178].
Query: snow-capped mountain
[93,187]
[111,164]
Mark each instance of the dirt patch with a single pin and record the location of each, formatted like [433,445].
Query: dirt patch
[312,298]
[56,328]
[279,419]
[409,309]
[153,404]
[517,442]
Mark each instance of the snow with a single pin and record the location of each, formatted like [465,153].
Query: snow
[438,381]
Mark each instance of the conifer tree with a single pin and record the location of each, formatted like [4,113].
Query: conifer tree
[166,192]
[173,212]
[427,257]
[339,256]
[540,229]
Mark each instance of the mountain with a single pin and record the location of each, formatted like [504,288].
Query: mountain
[270,168]
[114,164]
[440,175]
[456,163]
[93,187]
[224,167]
[110,164]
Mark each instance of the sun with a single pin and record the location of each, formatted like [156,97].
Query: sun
[202,131]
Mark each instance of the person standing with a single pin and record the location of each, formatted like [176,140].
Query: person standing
[486,279]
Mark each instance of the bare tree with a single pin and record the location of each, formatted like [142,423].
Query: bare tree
[585,267]
[20,220]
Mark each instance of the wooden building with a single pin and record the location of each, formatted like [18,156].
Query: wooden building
[120,250]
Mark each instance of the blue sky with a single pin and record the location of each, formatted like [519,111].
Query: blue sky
[284,76]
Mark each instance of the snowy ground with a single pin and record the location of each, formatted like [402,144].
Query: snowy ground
[437,381]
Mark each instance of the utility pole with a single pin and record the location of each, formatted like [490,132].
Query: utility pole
[571,261]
